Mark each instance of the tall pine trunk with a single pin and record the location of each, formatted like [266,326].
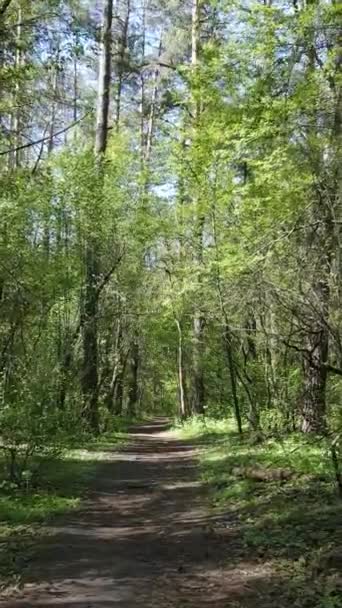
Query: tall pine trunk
[320,244]
[122,52]
[198,388]
[90,303]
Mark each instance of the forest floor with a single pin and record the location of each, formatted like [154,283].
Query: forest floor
[147,535]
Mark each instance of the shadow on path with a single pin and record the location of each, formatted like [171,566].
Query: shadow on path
[143,538]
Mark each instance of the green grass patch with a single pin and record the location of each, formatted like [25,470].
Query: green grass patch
[20,510]
[294,524]
[205,429]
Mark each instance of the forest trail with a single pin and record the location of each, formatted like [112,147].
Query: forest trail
[143,538]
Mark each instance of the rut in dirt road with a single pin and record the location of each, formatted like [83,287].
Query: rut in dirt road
[142,539]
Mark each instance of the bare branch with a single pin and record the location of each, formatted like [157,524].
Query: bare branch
[45,138]
[333,370]
[108,276]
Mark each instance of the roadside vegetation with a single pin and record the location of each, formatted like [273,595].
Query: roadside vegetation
[290,523]
[50,487]
[170,241]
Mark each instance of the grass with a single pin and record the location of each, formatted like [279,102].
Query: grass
[294,525]
[59,488]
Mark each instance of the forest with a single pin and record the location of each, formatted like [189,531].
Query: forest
[170,245]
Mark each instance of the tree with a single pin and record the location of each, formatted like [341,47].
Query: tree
[92,272]
[190,246]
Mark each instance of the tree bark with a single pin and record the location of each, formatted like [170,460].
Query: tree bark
[104,81]
[248,382]
[195,27]
[315,371]
[90,303]
[322,244]
[198,397]
[232,372]
[120,65]
[17,122]
[133,394]
[115,389]
[153,103]
[183,399]
[227,336]
[118,391]
[198,390]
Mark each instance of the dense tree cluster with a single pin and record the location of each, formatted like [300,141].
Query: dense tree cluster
[170,213]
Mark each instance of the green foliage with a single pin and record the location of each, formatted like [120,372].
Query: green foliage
[22,510]
[291,525]
[217,200]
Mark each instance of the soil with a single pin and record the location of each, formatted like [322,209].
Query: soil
[145,537]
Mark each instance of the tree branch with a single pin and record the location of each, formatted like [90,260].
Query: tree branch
[45,138]
[108,276]
[153,64]
[332,369]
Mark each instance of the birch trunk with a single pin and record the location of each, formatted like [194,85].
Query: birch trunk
[198,389]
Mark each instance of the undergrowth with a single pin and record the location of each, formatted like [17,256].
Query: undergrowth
[293,525]
[54,487]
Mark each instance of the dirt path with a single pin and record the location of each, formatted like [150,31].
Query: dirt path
[144,538]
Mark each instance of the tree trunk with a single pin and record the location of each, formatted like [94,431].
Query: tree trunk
[50,147]
[251,355]
[232,372]
[17,118]
[114,397]
[142,91]
[104,82]
[117,371]
[133,394]
[153,104]
[183,399]
[118,390]
[198,397]
[90,303]
[315,371]
[198,390]
[123,44]
[90,350]
[195,27]
[75,90]
[322,242]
